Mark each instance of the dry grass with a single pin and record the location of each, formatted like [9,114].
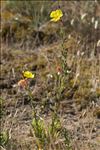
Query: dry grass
[73,95]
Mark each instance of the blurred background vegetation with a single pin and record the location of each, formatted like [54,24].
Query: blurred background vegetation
[29,20]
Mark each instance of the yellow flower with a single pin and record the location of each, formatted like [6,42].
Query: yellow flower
[28,74]
[56,15]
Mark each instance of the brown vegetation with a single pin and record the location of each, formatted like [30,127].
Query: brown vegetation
[39,48]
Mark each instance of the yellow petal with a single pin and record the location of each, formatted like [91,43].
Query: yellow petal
[59,13]
[52,14]
[55,19]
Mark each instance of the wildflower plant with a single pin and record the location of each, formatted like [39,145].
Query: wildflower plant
[43,132]
[53,130]
[62,71]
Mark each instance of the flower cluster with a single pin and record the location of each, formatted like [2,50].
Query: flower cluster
[23,83]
